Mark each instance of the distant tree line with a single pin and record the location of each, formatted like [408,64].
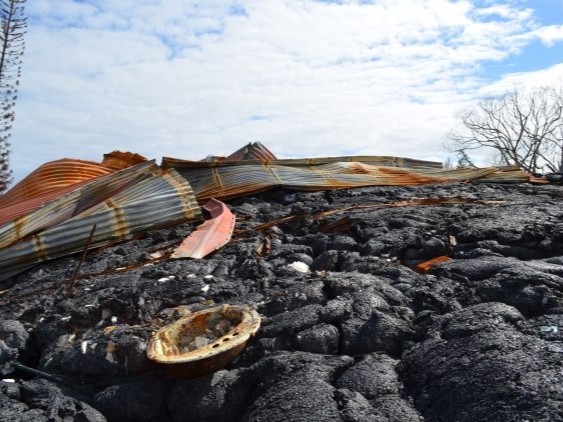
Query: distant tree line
[14,24]
[524,128]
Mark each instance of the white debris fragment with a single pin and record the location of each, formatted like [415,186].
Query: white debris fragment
[113,319]
[10,380]
[120,268]
[109,357]
[299,266]
[66,318]
[164,279]
[172,277]
[208,277]
[156,255]
[88,306]
[549,329]
[84,346]
[205,288]
[191,276]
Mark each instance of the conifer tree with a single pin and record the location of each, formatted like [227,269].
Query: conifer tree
[12,45]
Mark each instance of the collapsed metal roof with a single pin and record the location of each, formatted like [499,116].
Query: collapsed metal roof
[230,179]
[124,203]
[68,206]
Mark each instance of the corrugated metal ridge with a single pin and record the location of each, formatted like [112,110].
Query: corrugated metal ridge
[51,176]
[386,161]
[225,182]
[12,212]
[252,151]
[507,174]
[161,199]
[73,203]
[232,181]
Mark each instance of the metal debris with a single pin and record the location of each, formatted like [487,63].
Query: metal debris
[203,342]
[160,199]
[209,236]
[47,215]
[230,179]
[425,266]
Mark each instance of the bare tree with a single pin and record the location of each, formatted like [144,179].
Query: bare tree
[525,129]
[12,47]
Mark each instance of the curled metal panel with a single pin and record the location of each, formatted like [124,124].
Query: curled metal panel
[224,180]
[161,199]
[210,235]
[11,212]
[52,176]
[73,203]
[385,161]
[231,181]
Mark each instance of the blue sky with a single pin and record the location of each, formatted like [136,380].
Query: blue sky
[187,79]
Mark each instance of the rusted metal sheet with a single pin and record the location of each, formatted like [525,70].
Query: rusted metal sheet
[209,236]
[162,198]
[425,266]
[507,174]
[119,160]
[52,176]
[73,203]
[383,161]
[252,151]
[14,211]
[225,180]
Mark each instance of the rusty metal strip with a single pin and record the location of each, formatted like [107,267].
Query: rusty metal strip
[209,236]
[425,266]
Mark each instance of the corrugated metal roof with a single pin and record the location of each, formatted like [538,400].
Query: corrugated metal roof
[225,180]
[385,161]
[119,160]
[52,176]
[252,151]
[58,205]
[73,203]
[159,199]
[14,211]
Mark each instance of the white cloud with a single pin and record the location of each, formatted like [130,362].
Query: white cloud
[187,79]
[549,34]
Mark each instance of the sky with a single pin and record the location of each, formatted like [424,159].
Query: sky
[307,78]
